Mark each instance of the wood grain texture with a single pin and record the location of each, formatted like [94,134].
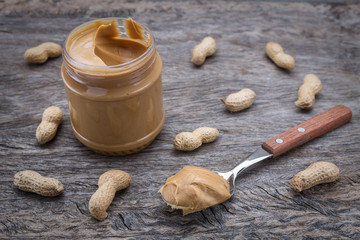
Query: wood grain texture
[323,39]
[308,130]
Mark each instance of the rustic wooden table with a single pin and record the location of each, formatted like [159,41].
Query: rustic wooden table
[323,38]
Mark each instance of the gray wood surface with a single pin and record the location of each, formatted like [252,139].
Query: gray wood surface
[323,38]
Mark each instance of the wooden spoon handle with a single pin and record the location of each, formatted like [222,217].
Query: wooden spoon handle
[310,129]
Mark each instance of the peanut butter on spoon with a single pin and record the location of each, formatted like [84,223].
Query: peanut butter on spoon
[193,189]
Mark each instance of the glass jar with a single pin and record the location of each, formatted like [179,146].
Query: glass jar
[118,109]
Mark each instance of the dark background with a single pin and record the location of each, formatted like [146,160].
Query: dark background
[323,37]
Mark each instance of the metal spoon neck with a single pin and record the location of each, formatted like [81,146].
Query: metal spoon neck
[259,155]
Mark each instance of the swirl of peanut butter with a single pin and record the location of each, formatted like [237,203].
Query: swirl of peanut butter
[102,44]
[193,189]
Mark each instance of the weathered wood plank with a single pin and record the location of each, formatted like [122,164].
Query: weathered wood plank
[323,38]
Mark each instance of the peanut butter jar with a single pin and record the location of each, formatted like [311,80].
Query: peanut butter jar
[112,76]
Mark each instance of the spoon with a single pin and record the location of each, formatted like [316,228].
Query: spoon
[274,147]
[296,136]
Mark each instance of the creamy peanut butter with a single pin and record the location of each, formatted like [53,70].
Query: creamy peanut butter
[104,45]
[193,189]
[112,76]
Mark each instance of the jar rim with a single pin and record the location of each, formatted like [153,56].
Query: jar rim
[121,66]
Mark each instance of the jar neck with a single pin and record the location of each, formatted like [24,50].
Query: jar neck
[128,73]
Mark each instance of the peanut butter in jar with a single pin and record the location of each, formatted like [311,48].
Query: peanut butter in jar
[112,76]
